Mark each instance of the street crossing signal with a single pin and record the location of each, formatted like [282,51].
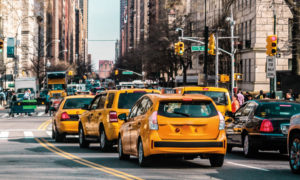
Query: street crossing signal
[271,45]
[176,49]
[180,48]
[211,44]
[1,44]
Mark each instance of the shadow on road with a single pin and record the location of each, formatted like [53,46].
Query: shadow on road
[262,155]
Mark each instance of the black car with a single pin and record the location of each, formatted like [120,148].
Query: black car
[261,125]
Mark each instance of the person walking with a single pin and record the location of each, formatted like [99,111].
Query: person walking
[261,95]
[235,105]
[240,97]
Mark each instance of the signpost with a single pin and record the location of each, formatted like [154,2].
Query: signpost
[127,73]
[271,67]
[198,48]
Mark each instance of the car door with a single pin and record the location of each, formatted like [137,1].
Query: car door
[136,124]
[89,116]
[98,115]
[127,127]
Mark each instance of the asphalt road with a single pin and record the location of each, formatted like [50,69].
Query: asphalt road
[28,152]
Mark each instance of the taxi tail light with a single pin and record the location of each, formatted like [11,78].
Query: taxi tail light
[65,116]
[222,121]
[266,126]
[113,116]
[153,125]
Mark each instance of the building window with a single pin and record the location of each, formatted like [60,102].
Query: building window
[290,29]
[290,64]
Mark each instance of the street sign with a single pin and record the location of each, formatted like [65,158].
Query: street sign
[127,72]
[198,48]
[271,67]
[10,47]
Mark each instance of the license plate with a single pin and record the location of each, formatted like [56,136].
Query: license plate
[284,128]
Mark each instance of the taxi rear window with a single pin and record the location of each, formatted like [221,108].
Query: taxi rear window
[219,98]
[76,103]
[277,110]
[187,109]
[126,100]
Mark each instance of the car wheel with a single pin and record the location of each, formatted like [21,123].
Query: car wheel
[58,136]
[216,160]
[104,143]
[122,156]
[294,156]
[248,149]
[83,143]
[141,158]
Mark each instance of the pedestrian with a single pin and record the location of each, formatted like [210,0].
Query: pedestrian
[26,95]
[235,105]
[240,97]
[48,103]
[290,96]
[261,95]
[248,96]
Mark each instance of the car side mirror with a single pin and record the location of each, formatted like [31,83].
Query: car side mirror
[123,117]
[85,107]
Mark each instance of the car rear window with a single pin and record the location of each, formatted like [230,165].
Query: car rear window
[126,100]
[277,110]
[76,103]
[219,98]
[187,109]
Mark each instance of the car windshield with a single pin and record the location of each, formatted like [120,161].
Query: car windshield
[187,109]
[22,90]
[20,96]
[76,103]
[126,100]
[56,86]
[277,110]
[219,98]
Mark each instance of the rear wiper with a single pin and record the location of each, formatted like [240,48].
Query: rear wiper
[181,113]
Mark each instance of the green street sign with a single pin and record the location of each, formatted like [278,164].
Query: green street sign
[198,48]
[127,72]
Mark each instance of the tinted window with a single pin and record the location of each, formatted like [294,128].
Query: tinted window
[111,97]
[126,100]
[219,98]
[76,103]
[94,104]
[277,110]
[187,109]
[101,101]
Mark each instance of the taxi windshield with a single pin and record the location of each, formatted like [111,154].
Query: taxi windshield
[187,109]
[76,103]
[219,98]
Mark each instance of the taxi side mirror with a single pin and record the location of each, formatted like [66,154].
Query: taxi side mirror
[123,117]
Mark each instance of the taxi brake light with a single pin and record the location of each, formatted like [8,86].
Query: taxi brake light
[65,116]
[153,125]
[113,116]
[205,89]
[266,126]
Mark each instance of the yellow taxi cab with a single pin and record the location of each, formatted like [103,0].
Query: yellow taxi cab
[100,122]
[65,119]
[219,95]
[187,126]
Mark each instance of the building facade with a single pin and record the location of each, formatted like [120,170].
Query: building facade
[105,68]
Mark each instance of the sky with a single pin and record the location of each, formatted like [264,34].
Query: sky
[103,24]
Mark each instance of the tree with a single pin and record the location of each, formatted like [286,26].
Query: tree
[294,6]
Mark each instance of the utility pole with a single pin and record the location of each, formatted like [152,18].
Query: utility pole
[205,44]
[217,60]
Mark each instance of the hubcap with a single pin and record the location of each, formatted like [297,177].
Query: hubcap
[295,154]
[141,154]
[246,145]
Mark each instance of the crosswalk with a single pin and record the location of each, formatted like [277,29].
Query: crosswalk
[38,114]
[6,135]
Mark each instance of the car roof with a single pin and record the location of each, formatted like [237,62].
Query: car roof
[134,90]
[262,101]
[179,97]
[205,88]
[79,96]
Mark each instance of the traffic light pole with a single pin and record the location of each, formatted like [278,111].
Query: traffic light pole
[273,80]
[217,61]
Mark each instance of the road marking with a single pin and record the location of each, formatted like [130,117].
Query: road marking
[49,133]
[79,160]
[41,113]
[28,134]
[3,135]
[251,167]
[4,115]
[44,125]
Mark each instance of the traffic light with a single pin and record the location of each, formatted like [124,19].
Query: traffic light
[176,49]
[1,45]
[238,76]
[223,78]
[116,72]
[271,45]
[211,44]
[180,48]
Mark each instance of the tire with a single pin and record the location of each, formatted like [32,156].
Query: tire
[59,137]
[294,154]
[248,148]
[105,145]
[216,160]
[122,156]
[53,133]
[143,162]
[83,143]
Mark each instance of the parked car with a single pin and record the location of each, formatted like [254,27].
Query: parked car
[100,122]
[187,126]
[261,125]
[294,144]
[65,120]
